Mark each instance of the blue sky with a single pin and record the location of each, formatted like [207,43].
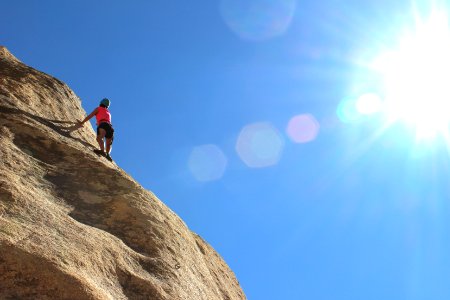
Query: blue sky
[202,95]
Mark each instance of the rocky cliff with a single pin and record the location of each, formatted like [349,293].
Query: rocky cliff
[75,226]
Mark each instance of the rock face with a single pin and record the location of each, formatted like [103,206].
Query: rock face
[75,226]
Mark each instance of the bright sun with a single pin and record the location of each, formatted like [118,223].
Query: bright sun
[416,77]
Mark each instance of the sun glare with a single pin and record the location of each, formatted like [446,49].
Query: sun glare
[416,77]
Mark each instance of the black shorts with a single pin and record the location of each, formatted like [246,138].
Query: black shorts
[108,128]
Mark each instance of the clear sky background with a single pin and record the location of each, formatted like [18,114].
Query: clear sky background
[236,115]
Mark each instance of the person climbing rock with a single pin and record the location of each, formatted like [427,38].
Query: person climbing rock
[105,130]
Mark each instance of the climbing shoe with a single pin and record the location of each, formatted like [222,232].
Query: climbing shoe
[100,152]
[108,157]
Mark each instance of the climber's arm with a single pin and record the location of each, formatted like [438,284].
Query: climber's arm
[81,123]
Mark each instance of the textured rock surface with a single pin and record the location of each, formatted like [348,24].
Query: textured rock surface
[75,226]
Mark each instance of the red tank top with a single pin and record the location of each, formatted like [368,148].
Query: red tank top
[103,115]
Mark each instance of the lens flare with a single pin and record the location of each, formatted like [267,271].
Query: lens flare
[347,111]
[207,163]
[303,128]
[257,20]
[259,145]
[368,104]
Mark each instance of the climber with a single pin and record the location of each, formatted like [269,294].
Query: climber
[104,128]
